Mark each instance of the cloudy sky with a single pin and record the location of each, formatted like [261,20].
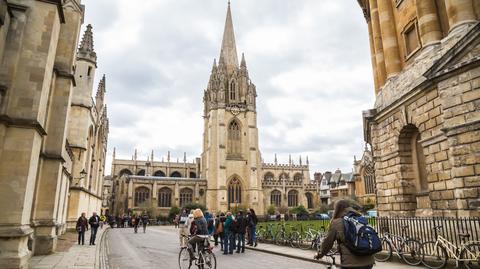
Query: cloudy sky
[308,58]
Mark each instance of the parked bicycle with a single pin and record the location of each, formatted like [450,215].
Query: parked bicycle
[436,253]
[205,259]
[311,238]
[406,248]
[284,237]
[265,234]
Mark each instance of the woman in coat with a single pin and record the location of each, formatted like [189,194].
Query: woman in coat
[82,226]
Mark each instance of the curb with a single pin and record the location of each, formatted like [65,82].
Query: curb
[101,252]
[287,255]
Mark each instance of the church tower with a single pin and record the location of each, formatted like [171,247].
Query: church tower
[231,160]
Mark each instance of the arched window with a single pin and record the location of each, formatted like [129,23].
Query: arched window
[159,173]
[292,198]
[233,91]
[175,174]
[186,196]
[309,200]
[141,172]
[125,172]
[283,176]
[165,197]
[298,177]
[142,195]
[369,178]
[234,192]
[234,138]
[193,175]
[276,198]
[268,176]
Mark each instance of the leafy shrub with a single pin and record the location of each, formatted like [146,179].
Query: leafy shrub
[271,210]
[299,210]
[173,212]
[194,206]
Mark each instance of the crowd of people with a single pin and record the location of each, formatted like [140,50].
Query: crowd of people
[230,231]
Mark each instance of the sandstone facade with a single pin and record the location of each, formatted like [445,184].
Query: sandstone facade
[38,44]
[425,126]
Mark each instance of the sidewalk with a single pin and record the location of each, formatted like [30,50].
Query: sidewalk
[77,256]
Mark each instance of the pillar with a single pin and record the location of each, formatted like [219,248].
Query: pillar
[372,57]
[459,12]
[377,44]
[389,38]
[428,23]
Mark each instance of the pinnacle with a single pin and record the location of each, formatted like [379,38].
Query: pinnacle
[85,50]
[101,88]
[243,63]
[228,53]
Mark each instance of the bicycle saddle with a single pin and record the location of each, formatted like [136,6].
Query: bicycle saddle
[462,235]
[438,227]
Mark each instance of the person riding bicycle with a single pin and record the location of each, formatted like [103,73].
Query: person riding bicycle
[200,233]
[336,233]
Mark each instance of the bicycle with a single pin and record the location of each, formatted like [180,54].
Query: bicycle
[311,239]
[408,249]
[265,234]
[331,265]
[283,237]
[436,253]
[205,259]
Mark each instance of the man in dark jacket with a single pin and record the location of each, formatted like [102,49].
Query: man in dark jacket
[144,221]
[94,222]
[241,229]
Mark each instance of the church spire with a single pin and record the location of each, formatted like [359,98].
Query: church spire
[228,53]
[100,93]
[85,50]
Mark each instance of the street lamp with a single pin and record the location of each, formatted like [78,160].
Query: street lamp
[83,174]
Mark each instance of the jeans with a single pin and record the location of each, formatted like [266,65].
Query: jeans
[81,237]
[241,242]
[228,243]
[253,235]
[93,235]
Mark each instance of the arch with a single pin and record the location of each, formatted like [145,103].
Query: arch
[142,195]
[125,172]
[283,176]
[368,175]
[234,138]
[175,174]
[233,90]
[276,198]
[298,177]
[268,176]
[234,191]
[412,157]
[292,198]
[186,196]
[193,175]
[159,173]
[141,172]
[309,200]
[165,197]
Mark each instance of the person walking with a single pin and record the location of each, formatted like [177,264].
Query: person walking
[94,222]
[144,221]
[228,240]
[219,231]
[82,226]
[102,220]
[336,233]
[210,223]
[176,220]
[241,229]
[200,232]
[252,221]
[135,222]
[183,227]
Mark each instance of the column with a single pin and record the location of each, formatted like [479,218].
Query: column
[428,24]
[372,57]
[389,38]
[130,194]
[377,44]
[154,194]
[459,12]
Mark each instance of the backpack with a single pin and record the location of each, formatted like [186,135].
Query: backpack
[220,228]
[360,238]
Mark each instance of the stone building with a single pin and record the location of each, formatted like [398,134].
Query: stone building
[230,171]
[424,128]
[38,55]
[364,178]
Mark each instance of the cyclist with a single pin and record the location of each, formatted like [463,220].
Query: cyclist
[336,233]
[200,232]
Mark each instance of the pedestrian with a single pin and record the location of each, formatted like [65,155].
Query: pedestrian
[135,222]
[228,240]
[183,227]
[200,232]
[144,221]
[210,223]
[336,234]
[252,221]
[219,232]
[94,222]
[82,226]
[241,228]
[234,232]
[102,220]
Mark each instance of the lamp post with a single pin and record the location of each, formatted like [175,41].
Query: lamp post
[83,174]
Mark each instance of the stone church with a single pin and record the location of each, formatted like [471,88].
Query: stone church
[230,172]
[424,128]
[53,134]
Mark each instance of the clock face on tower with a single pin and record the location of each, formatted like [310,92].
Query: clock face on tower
[235,110]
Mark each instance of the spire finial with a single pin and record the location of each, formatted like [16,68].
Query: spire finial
[100,93]
[243,63]
[228,53]
[85,50]
[151,158]
[113,154]
[276,161]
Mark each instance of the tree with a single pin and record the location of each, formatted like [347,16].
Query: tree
[299,210]
[173,212]
[271,210]
[194,206]
[238,208]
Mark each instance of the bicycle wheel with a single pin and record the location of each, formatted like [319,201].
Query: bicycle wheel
[294,239]
[470,256]
[386,252]
[260,236]
[305,242]
[411,252]
[433,256]
[184,259]
[280,238]
[209,260]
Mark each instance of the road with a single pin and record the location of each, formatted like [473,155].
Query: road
[158,248]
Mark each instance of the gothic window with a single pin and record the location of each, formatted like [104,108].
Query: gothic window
[125,172]
[234,191]
[284,176]
[142,195]
[292,198]
[276,198]
[165,197]
[141,172]
[233,91]
[369,178]
[159,173]
[234,138]
[268,176]
[193,175]
[186,196]
[175,174]
[309,200]
[297,177]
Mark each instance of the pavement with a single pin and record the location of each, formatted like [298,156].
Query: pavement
[76,256]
